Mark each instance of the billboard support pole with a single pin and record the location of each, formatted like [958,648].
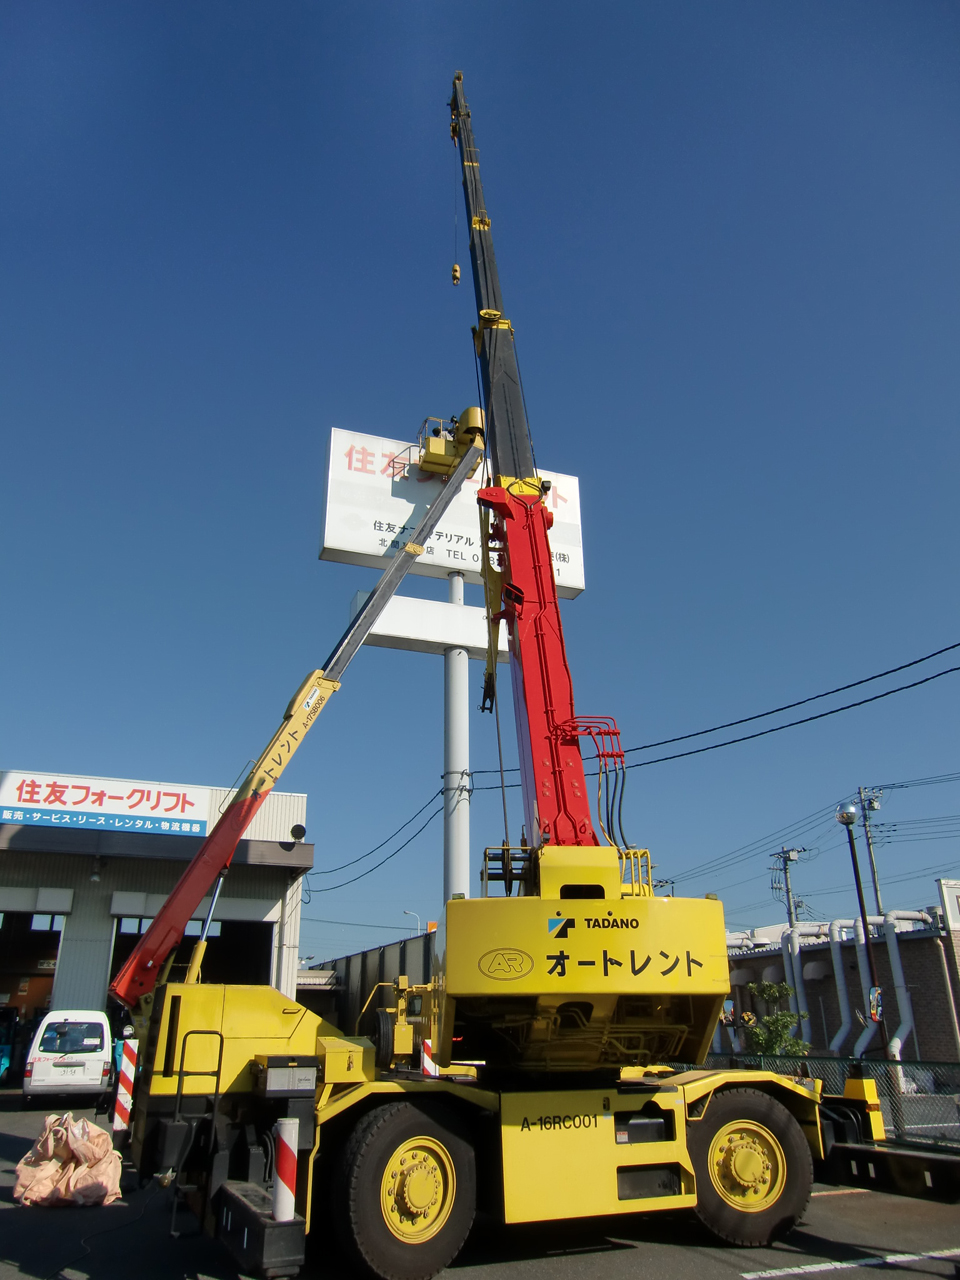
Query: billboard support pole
[456,762]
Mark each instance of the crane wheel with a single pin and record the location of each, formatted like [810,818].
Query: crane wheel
[407,1191]
[753,1166]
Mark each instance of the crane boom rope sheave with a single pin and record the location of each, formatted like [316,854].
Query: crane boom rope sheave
[522,590]
[140,973]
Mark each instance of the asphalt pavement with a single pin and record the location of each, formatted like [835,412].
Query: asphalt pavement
[130,1240]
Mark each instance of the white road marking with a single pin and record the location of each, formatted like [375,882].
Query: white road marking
[888,1260]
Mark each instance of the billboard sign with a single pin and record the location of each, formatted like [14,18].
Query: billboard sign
[105,804]
[376,495]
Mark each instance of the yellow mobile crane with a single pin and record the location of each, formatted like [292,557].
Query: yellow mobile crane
[567,997]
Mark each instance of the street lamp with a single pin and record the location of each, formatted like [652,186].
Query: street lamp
[415,916]
[847,815]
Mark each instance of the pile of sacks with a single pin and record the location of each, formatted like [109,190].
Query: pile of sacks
[72,1162]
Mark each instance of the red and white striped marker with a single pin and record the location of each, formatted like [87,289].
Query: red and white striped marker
[286,1132]
[128,1071]
[428,1066]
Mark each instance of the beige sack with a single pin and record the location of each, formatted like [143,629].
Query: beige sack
[72,1162]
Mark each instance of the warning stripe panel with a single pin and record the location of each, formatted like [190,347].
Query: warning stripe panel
[286,1165]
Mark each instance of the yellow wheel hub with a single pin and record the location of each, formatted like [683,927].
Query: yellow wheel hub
[418,1190]
[747,1166]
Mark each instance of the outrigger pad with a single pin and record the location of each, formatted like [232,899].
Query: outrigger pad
[246,1226]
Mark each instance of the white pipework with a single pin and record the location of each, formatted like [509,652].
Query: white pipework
[904,1004]
[836,955]
[793,968]
[739,940]
[808,931]
[789,978]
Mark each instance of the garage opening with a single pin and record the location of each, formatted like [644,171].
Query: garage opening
[29,947]
[238,951]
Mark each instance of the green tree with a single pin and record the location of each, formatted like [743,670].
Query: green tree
[773,1033]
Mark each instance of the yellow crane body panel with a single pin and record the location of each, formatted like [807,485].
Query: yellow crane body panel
[586,1153]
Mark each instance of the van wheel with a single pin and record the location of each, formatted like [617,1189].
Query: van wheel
[753,1166]
[407,1192]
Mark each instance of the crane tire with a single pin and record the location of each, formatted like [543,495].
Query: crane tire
[407,1191]
[383,1040]
[753,1166]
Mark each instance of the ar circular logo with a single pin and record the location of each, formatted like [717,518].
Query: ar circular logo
[506,964]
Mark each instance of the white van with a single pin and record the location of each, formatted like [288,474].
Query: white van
[72,1052]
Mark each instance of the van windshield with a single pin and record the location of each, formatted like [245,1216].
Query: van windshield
[72,1037]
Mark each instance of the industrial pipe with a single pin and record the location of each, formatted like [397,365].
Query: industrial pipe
[740,939]
[793,966]
[843,1000]
[904,1004]
[788,976]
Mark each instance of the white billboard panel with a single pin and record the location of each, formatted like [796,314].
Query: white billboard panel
[376,495]
[431,626]
[110,804]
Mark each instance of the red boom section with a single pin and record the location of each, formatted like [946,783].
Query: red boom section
[556,804]
[139,974]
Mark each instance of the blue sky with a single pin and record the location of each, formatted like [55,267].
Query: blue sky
[727,241]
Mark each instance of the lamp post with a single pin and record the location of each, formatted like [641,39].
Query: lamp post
[847,815]
[415,916]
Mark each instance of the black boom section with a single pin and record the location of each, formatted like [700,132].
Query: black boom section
[507,429]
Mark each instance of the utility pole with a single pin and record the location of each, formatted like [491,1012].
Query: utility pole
[784,858]
[869,803]
[847,815]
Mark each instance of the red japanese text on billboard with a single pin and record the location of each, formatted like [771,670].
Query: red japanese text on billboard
[108,804]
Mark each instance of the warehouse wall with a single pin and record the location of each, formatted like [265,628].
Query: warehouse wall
[86,946]
[934,995]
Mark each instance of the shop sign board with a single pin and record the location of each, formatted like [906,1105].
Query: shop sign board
[376,495]
[106,804]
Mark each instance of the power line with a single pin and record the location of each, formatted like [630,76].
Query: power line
[358,924]
[792,831]
[802,826]
[789,706]
[377,847]
[792,724]
[933,781]
[909,875]
[370,870]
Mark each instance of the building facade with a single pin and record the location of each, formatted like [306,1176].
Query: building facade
[86,863]
[927,1002]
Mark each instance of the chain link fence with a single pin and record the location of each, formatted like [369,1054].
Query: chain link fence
[920,1101]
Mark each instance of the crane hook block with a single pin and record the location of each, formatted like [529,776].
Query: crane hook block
[456,274]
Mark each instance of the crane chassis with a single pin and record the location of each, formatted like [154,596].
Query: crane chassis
[551,1015]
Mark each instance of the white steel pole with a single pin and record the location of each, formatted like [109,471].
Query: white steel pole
[456,762]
